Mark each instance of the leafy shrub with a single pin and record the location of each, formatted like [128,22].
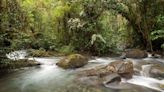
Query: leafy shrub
[66,49]
[158,33]
[40,53]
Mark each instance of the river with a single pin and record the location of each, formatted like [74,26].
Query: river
[50,78]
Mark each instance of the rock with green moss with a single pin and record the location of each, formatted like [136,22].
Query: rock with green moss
[9,65]
[73,61]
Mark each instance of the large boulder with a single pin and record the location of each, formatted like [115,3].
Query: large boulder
[135,53]
[73,61]
[123,68]
[107,75]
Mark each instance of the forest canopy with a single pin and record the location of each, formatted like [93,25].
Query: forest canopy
[95,26]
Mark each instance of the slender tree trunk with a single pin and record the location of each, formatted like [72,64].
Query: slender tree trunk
[146,29]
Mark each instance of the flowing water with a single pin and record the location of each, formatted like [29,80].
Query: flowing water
[50,78]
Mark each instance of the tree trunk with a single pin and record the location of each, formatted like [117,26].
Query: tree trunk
[146,29]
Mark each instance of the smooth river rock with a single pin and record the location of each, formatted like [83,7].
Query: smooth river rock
[134,53]
[157,71]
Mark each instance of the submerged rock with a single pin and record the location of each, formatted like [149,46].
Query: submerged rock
[114,77]
[134,53]
[73,61]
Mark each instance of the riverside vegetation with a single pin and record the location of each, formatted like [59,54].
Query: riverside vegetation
[78,30]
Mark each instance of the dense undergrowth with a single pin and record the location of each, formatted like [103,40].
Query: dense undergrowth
[98,27]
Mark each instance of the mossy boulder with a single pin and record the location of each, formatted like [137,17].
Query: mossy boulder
[73,61]
[135,53]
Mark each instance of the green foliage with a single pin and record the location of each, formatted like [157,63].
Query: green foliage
[67,49]
[95,26]
[95,37]
[158,33]
[162,46]
[141,16]
[40,53]
[115,31]
[11,22]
